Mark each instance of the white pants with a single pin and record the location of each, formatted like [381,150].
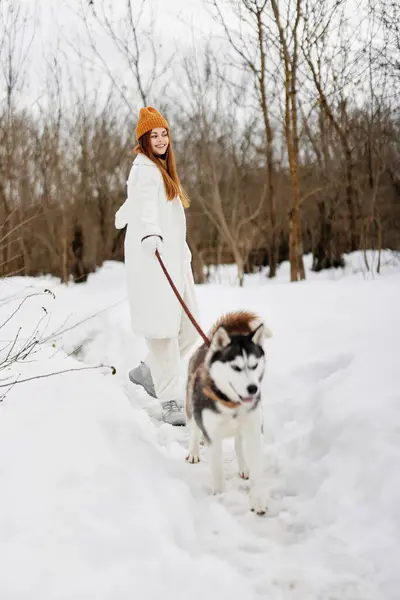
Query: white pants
[165,355]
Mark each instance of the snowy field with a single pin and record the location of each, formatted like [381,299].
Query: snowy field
[97,501]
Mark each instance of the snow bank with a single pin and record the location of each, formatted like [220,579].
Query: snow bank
[355,267]
[97,500]
[90,505]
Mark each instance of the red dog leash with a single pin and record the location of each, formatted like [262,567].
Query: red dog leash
[177,294]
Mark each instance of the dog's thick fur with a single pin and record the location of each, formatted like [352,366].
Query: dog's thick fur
[224,398]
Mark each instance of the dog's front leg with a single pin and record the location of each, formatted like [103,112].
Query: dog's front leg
[194,442]
[253,439]
[243,470]
[214,443]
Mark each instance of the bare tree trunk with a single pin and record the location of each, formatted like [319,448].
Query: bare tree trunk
[64,253]
[269,149]
[197,264]
[351,195]
[290,61]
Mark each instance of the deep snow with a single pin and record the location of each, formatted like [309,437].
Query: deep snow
[96,498]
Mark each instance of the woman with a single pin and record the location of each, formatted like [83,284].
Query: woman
[154,213]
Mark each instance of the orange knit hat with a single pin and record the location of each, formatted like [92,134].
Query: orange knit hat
[149,118]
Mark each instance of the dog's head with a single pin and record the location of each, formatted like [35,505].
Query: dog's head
[236,362]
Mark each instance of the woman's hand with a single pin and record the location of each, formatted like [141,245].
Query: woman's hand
[152,243]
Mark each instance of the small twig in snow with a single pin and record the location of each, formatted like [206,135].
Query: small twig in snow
[113,372]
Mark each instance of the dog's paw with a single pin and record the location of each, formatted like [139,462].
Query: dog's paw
[244,474]
[217,485]
[258,503]
[193,458]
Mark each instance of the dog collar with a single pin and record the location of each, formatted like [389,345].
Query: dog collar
[207,391]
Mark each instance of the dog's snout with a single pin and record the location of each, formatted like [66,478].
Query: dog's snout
[252,389]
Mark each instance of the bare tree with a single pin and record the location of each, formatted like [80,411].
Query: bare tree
[16,41]
[323,22]
[388,47]
[249,42]
[378,133]
[288,36]
[134,43]
[221,153]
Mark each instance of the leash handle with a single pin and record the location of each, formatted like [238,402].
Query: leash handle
[177,294]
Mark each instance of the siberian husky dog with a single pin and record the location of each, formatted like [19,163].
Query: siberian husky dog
[223,399]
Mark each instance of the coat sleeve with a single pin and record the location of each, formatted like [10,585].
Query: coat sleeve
[121,216]
[143,190]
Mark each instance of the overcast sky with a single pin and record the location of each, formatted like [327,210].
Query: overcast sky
[58,29]
[181,26]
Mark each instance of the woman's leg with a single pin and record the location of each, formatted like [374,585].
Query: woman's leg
[163,360]
[164,355]
[161,366]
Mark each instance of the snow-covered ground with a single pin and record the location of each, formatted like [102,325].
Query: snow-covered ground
[97,501]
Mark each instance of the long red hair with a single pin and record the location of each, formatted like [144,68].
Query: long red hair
[167,167]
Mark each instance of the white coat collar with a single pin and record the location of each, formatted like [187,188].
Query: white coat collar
[142,159]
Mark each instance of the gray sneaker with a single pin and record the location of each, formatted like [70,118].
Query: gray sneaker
[141,375]
[172,413]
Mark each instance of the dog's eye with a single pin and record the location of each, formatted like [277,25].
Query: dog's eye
[236,368]
[253,367]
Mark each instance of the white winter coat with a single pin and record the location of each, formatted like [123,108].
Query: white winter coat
[155,310]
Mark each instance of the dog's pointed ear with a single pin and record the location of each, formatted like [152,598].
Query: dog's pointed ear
[259,334]
[220,339]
